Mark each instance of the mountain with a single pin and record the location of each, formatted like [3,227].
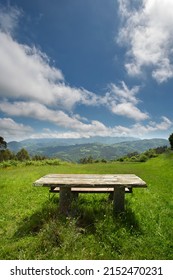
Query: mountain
[32,145]
[109,148]
[72,141]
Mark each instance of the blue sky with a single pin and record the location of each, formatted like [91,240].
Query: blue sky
[83,68]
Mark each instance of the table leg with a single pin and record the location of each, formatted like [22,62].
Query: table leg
[119,198]
[75,195]
[65,200]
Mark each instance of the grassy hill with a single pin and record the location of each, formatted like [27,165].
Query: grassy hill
[31,226]
[74,151]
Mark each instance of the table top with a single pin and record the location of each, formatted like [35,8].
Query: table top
[90,180]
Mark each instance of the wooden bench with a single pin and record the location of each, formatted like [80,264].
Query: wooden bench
[69,184]
[88,190]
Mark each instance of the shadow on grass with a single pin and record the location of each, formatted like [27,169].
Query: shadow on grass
[100,210]
[31,225]
[86,214]
[128,219]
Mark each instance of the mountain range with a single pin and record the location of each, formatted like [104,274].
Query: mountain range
[109,148]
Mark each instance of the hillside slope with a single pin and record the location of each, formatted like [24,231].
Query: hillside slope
[55,148]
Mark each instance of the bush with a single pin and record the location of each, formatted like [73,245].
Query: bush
[86,160]
[104,160]
[171,140]
[143,158]
[53,162]
[133,158]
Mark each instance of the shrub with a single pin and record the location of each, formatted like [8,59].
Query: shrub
[53,162]
[104,160]
[143,158]
[171,140]
[133,158]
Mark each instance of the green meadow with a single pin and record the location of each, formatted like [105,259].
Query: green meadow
[31,226]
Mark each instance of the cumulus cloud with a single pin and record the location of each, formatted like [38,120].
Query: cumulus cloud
[148,35]
[10,129]
[41,112]
[30,87]
[98,129]
[30,73]
[27,70]
[31,77]
[123,101]
[141,130]
[129,110]
[34,80]
[76,128]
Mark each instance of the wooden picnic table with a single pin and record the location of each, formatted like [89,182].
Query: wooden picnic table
[67,184]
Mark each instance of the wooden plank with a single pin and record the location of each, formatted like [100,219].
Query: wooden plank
[69,184]
[93,180]
[89,190]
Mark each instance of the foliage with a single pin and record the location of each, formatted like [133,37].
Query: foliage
[171,141]
[22,155]
[86,160]
[31,226]
[3,152]
[90,159]
[6,155]
[38,157]
[136,157]
[45,162]
[3,143]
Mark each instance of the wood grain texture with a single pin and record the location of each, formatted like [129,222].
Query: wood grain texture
[66,184]
[90,180]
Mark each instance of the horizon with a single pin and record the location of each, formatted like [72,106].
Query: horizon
[135,138]
[81,69]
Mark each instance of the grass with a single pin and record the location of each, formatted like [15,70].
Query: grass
[31,226]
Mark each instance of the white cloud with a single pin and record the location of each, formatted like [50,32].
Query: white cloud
[31,77]
[58,117]
[26,72]
[9,18]
[75,129]
[140,130]
[31,87]
[164,125]
[122,101]
[136,130]
[12,130]
[129,110]
[148,34]
[38,111]
[124,94]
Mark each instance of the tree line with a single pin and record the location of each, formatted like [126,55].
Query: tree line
[21,155]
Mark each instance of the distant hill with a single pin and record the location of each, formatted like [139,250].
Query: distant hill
[32,145]
[109,148]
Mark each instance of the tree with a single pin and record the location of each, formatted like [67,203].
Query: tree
[3,144]
[22,155]
[86,160]
[171,140]
[6,155]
